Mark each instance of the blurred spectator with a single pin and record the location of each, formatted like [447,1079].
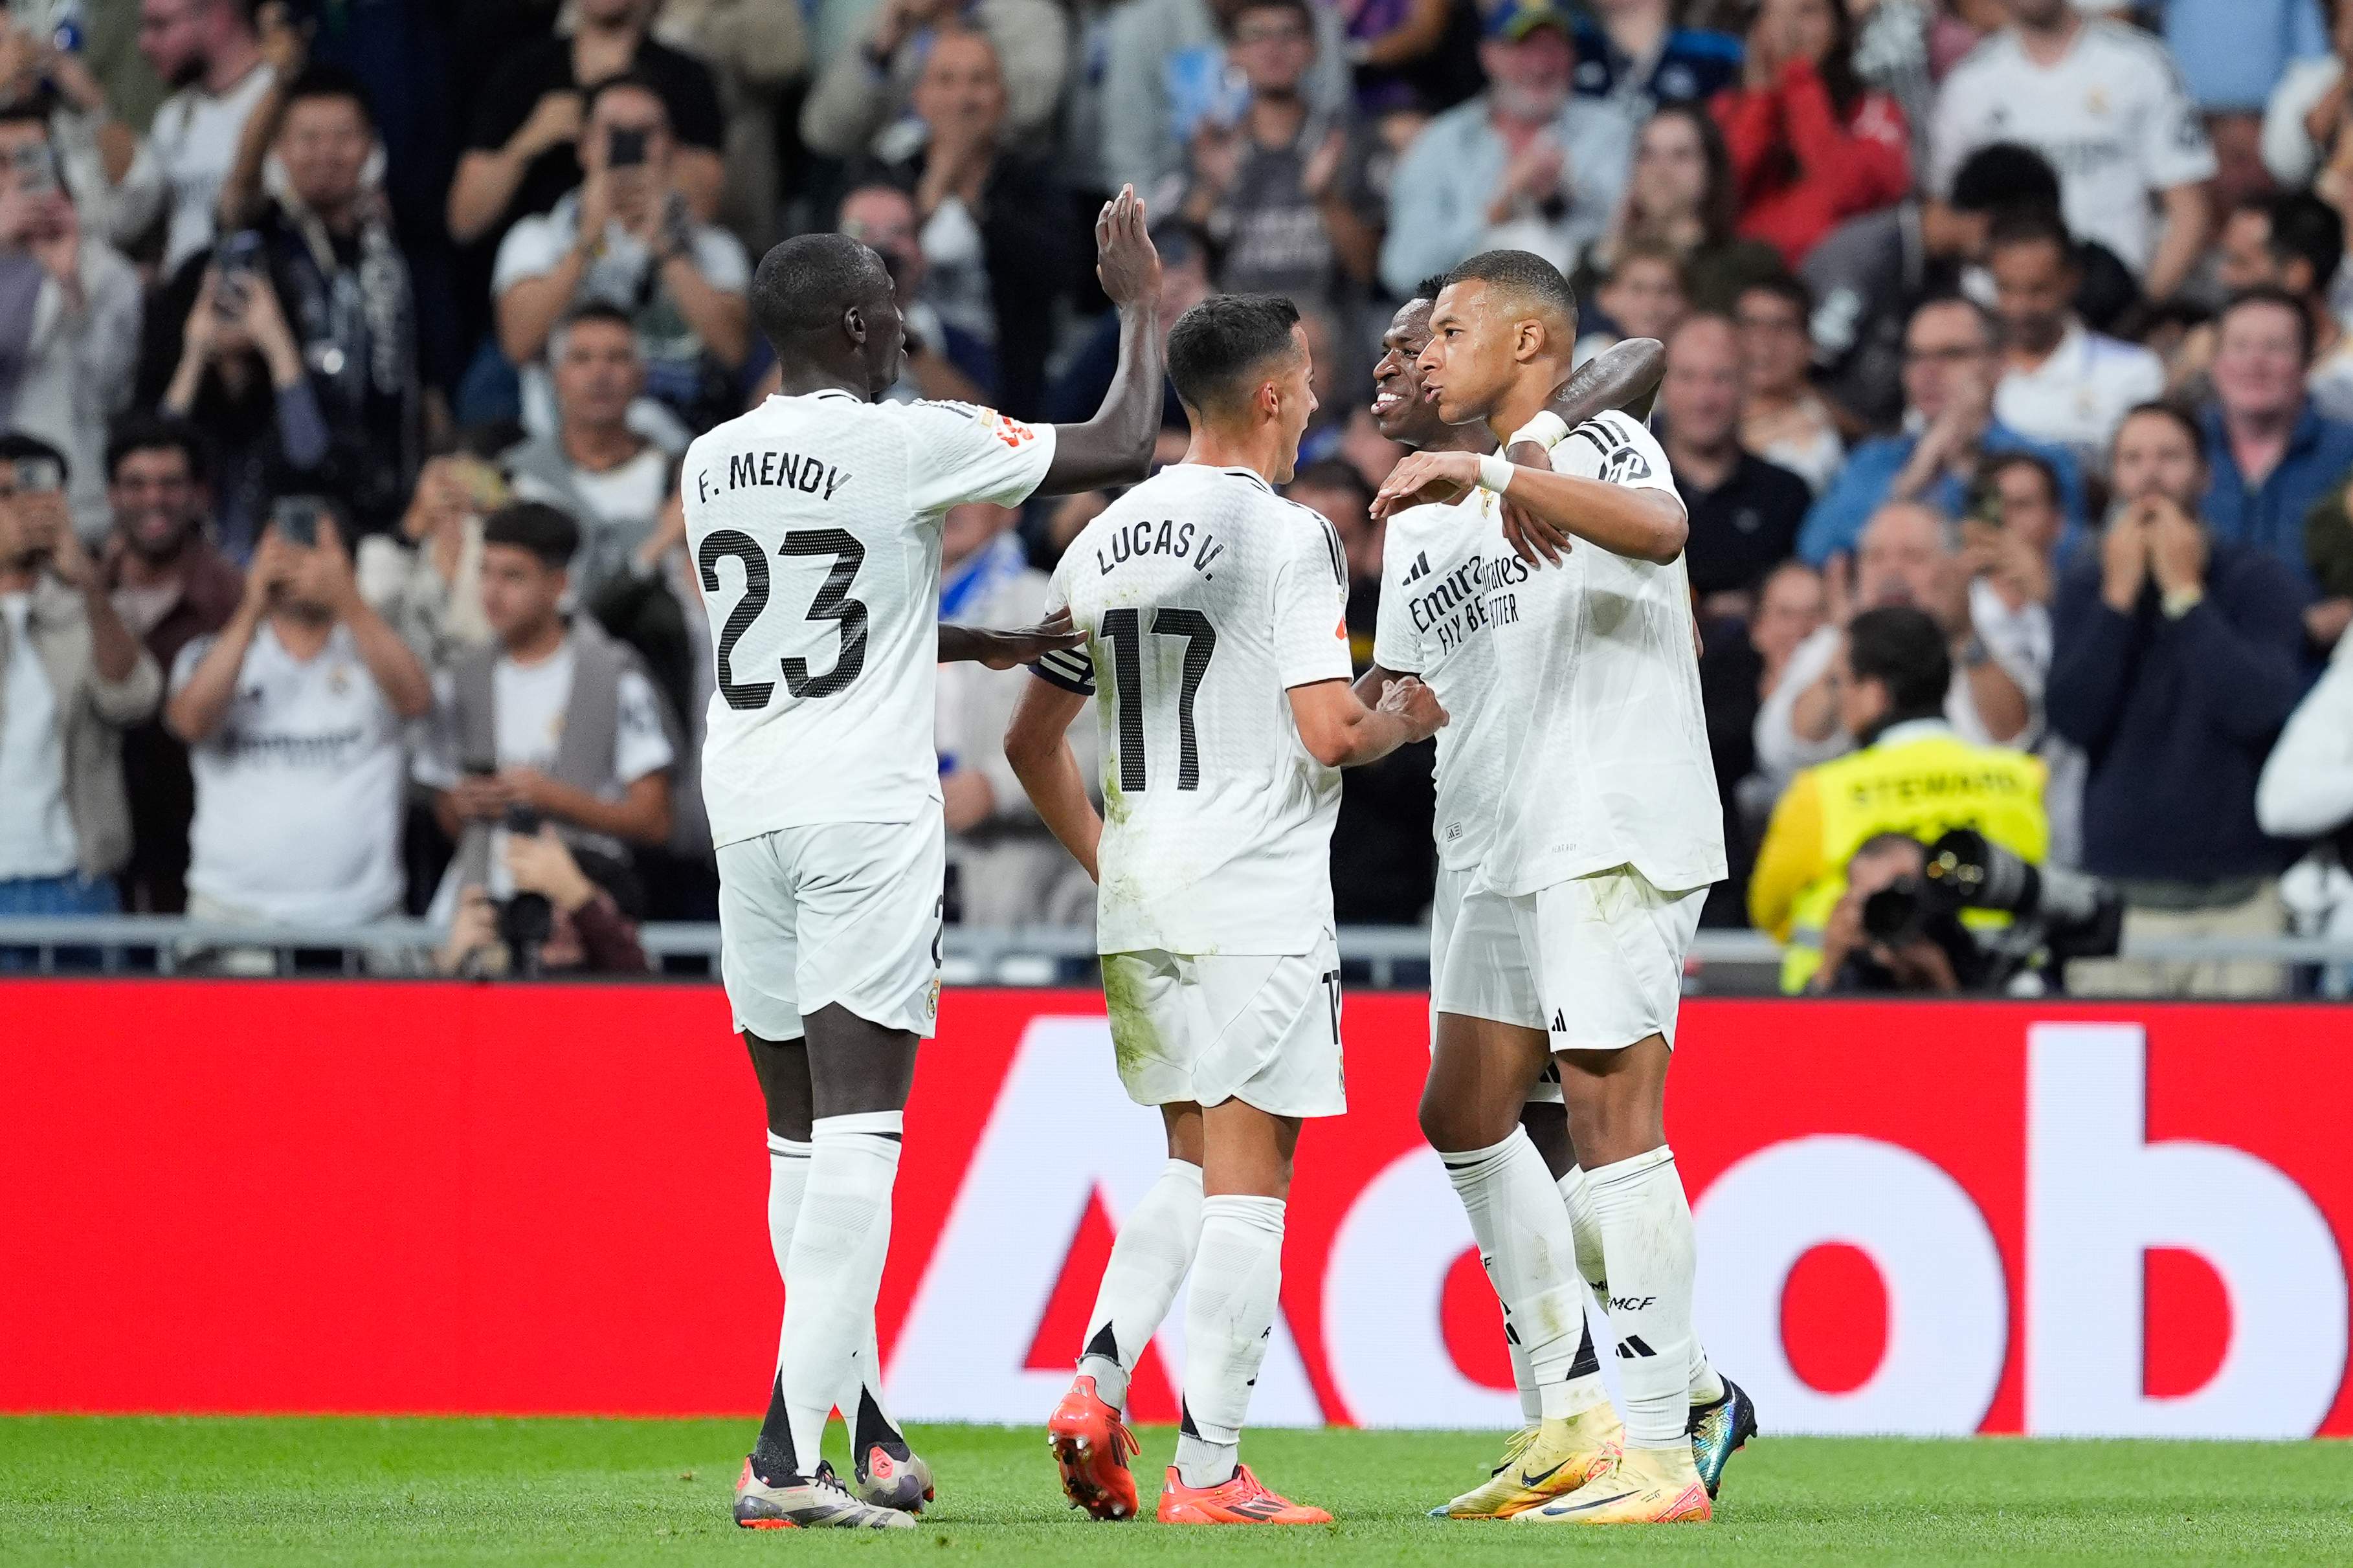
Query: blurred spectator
[555,718]
[2104,103]
[1526,164]
[2062,384]
[2305,119]
[942,361]
[171,586]
[2293,241]
[1165,73]
[70,315]
[73,678]
[522,150]
[629,238]
[1281,189]
[312,221]
[1744,510]
[1810,145]
[293,716]
[588,932]
[1383,871]
[1913,775]
[2230,53]
[1950,363]
[1782,418]
[863,94]
[429,586]
[1892,54]
[1789,609]
[1005,868]
[1644,295]
[1681,198]
[1912,556]
[595,467]
[1633,55]
[755,51]
[2176,665]
[2014,541]
[2272,455]
[1411,52]
[210,53]
[241,379]
[999,242]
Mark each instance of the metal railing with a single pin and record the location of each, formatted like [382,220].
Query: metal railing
[1722,960]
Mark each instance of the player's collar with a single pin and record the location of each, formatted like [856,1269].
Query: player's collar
[1252,475]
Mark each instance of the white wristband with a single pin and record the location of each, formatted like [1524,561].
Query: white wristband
[1495,472]
[1547,430]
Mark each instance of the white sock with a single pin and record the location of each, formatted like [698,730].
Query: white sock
[1706,1385]
[1522,1228]
[1523,1376]
[1586,1229]
[1237,1290]
[835,1267]
[1148,1261]
[861,1400]
[1646,1231]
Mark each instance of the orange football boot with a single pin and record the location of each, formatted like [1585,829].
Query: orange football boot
[1090,1446]
[1242,1500]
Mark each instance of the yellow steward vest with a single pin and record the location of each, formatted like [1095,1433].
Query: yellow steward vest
[1923,788]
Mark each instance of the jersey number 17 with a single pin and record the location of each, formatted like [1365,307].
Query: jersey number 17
[1124,629]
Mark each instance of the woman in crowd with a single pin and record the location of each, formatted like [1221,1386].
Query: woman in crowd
[1682,196]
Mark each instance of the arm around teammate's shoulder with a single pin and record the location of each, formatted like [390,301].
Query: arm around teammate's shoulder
[1115,445]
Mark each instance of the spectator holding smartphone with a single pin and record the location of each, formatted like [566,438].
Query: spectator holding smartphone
[293,715]
[72,679]
[69,311]
[628,238]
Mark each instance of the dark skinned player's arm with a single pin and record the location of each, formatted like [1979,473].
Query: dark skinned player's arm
[1115,447]
[1625,377]
[1004,648]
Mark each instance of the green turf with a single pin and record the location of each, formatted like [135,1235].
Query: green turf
[78,1490]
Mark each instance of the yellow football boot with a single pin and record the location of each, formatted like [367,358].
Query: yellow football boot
[1646,1486]
[1541,1463]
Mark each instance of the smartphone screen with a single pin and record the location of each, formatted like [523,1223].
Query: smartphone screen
[296,518]
[625,147]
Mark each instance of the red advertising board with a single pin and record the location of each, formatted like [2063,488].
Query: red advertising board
[1912,1217]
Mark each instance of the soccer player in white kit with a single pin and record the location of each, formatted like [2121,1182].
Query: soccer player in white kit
[1567,935]
[815,524]
[1217,657]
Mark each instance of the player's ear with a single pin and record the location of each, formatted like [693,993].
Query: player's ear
[853,325]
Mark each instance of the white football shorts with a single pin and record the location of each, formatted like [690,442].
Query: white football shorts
[845,912]
[1595,962]
[1264,1030]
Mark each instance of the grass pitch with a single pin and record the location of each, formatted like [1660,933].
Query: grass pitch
[94,1491]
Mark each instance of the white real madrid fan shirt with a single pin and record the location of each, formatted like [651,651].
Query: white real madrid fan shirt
[815,524]
[1206,597]
[1605,747]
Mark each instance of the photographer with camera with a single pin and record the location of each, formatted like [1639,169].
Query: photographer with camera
[293,718]
[1912,776]
[1913,950]
[582,922]
[72,679]
[553,721]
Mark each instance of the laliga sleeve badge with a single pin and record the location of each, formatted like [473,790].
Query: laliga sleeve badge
[1012,432]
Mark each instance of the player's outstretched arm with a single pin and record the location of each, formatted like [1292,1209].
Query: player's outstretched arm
[1004,648]
[1115,445]
[1036,744]
[1625,377]
[1341,731]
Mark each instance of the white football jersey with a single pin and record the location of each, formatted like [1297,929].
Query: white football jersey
[814,525]
[2112,116]
[1206,597]
[1448,580]
[1606,761]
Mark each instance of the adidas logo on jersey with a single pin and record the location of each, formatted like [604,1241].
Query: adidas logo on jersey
[1559,1022]
[1420,569]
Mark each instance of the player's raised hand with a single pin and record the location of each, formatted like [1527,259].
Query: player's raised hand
[1417,704]
[1426,479]
[1126,262]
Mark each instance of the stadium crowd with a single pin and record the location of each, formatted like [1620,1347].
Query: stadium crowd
[347,355]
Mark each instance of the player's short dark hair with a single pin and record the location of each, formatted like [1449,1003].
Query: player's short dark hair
[803,286]
[1431,286]
[326,80]
[1300,8]
[1224,338]
[2265,294]
[631,80]
[16,445]
[1521,272]
[2004,176]
[2305,228]
[158,433]
[1786,287]
[547,532]
[2031,225]
[2181,418]
[1332,474]
[1903,649]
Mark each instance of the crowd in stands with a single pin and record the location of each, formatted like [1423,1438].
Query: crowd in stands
[347,353]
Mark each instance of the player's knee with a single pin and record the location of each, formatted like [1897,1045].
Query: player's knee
[782,1068]
[1453,1123]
